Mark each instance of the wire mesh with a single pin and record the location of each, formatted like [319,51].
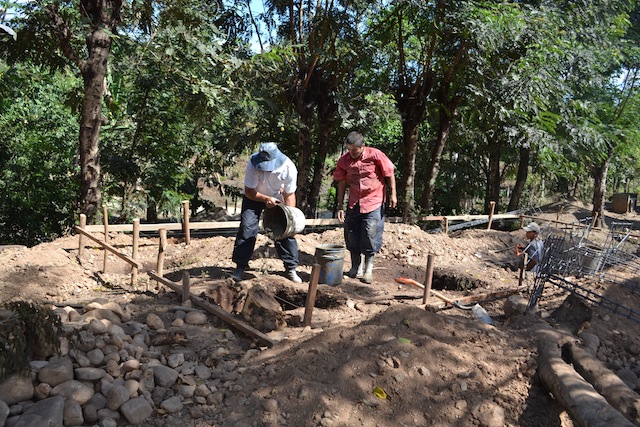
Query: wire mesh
[574,262]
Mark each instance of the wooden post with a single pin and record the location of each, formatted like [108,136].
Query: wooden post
[134,251]
[559,213]
[446,225]
[161,249]
[185,286]
[83,224]
[428,279]
[492,206]
[185,222]
[521,221]
[523,269]
[595,218]
[105,221]
[311,294]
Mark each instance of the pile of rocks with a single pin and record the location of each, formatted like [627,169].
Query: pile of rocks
[114,370]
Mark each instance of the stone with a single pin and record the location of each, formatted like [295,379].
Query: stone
[91,408]
[75,390]
[164,376]
[175,360]
[72,413]
[203,372]
[89,374]
[57,371]
[97,327]
[4,412]
[49,412]
[172,404]
[515,305]
[116,397]
[131,365]
[154,321]
[16,389]
[136,410]
[102,313]
[196,318]
[96,357]
[41,391]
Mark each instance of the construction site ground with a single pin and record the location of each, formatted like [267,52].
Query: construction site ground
[373,355]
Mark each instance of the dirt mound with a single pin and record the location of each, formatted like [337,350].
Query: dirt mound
[373,355]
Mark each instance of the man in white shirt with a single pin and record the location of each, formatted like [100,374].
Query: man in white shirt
[270,179]
[534,249]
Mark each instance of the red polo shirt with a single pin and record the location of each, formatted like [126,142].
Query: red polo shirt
[365,177]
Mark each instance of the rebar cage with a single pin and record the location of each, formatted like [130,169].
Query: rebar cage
[581,266]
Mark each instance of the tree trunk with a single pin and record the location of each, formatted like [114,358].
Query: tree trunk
[600,186]
[93,72]
[410,128]
[493,176]
[521,179]
[327,110]
[446,113]
[304,157]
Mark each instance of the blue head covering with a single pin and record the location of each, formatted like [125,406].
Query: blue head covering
[268,157]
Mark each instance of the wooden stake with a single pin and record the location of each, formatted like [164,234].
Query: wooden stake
[105,221]
[492,206]
[185,222]
[428,279]
[134,251]
[446,225]
[83,224]
[311,294]
[186,286]
[161,250]
[523,269]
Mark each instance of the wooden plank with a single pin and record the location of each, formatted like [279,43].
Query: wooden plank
[218,312]
[110,248]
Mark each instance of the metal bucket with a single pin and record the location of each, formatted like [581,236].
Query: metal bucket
[330,257]
[282,221]
[591,261]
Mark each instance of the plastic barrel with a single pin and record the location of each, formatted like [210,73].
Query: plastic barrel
[282,221]
[331,260]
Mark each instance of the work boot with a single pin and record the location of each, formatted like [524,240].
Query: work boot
[237,273]
[367,277]
[293,276]
[356,266]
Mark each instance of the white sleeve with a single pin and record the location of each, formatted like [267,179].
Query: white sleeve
[291,183]
[251,178]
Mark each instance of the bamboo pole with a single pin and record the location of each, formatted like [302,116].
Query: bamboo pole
[186,286]
[492,206]
[83,224]
[105,221]
[185,222]
[161,251]
[428,279]
[110,248]
[134,251]
[311,294]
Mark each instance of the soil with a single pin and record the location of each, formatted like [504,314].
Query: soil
[373,355]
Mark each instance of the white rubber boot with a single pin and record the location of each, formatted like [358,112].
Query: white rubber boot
[367,277]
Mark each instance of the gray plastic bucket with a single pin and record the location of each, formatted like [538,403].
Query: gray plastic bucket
[330,257]
[282,221]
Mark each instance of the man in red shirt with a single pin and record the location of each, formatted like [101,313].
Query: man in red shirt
[367,172]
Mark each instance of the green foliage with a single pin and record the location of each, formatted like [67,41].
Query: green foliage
[27,331]
[38,145]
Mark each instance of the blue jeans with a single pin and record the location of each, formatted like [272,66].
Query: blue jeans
[246,238]
[363,232]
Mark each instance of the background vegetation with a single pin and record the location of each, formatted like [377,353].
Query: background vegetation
[134,103]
